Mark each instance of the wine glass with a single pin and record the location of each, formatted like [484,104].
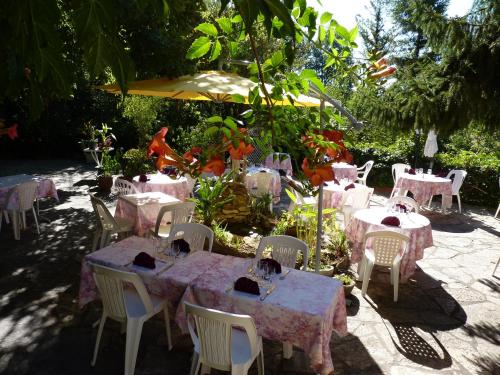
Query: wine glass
[157,245]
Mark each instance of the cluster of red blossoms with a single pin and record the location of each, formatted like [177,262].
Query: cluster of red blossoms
[323,143]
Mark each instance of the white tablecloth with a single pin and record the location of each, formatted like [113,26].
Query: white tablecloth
[46,189]
[424,186]
[416,226]
[275,186]
[344,170]
[273,161]
[164,184]
[333,193]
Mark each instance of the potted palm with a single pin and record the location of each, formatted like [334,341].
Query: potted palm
[348,279]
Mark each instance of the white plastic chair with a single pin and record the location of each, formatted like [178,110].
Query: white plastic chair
[107,224]
[190,184]
[407,201]
[179,213]
[354,200]
[126,300]
[398,169]
[194,234]
[300,199]
[386,249]
[363,172]
[458,180]
[284,250]
[125,187]
[218,345]
[26,193]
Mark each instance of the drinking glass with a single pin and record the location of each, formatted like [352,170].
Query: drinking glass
[157,245]
[420,171]
[429,171]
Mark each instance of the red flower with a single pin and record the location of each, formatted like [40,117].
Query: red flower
[319,173]
[243,149]
[215,165]
[12,131]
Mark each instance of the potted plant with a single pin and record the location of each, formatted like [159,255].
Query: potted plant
[338,246]
[109,167]
[348,281]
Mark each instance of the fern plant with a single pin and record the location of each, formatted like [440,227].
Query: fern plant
[209,200]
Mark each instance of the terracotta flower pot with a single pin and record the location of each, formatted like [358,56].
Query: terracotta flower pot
[105,183]
[348,288]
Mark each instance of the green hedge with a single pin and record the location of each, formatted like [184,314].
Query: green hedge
[480,186]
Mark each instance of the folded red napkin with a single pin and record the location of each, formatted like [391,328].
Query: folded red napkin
[282,172]
[144,260]
[350,186]
[336,182]
[270,263]
[402,207]
[143,178]
[441,174]
[244,284]
[392,221]
[411,171]
[182,245]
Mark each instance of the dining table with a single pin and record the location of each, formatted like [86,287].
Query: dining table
[45,189]
[345,170]
[279,160]
[417,227]
[143,209]
[275,184]
[158,182]
[333,193]
[293,312]
[425,186]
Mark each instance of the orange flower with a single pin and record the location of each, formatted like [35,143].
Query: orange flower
[215,165]
[243,149]
[165,161]
[12,132]
[158,145]
[318,174]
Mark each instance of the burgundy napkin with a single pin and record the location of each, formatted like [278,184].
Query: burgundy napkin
[144,260]
[182,245]
[270,263]
[263,171]
[392,221]
[282,172]
[336,182]
[401,207]
[441,174]
[244,284]
[143,178]
[350,186]
[411,171]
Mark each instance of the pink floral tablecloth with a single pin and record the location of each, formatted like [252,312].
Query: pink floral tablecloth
[273,161]
[46,188]
[274,188]
[344,170]
[143,208]
[424,186]
[333,193]
[162,183]
[169,284]
[295,312]
[416,226]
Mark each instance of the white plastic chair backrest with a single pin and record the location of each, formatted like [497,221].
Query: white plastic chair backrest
[190,183]
[212,334]
[26,193]
[125,187]
[397,169]
[386,245]
[284,249]
[366,168]
[111,283]
[357,198]
[180,213]
[194,234]
[264,180]
[407,201]
[103,215]
[458,180]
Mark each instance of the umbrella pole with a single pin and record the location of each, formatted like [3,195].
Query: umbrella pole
[319,228]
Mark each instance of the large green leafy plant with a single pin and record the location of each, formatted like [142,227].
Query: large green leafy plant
[208,198]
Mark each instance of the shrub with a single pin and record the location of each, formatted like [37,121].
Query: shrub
[136,163]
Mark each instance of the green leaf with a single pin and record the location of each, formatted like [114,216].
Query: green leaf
[199,48]
[225,25]
[230,123]
[237,98]
[211,131]
[325,18]
[214,119]
[353,34]
[291,195]
[322,33]
[280,10]
[226,132]
[207,28]
[216,48]
[342,31]
[277,58]
[236,19]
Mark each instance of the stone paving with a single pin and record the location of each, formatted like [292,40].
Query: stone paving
[447,320]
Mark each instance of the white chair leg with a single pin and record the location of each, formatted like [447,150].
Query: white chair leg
[366,277]
[287,350]
[167,327]
[37,206]
[98,339]
[15,224]
[396,284]
[134,330]
[496,213]
[430,202]
[459,203]
[361,269]
[260,363]
[97,235]
[195,365]
[36,221]
[6,214]
[498,262]
[23,214]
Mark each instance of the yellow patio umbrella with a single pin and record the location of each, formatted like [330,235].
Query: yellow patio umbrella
[217,86]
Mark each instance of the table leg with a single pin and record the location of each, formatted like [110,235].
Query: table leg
[287,350]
